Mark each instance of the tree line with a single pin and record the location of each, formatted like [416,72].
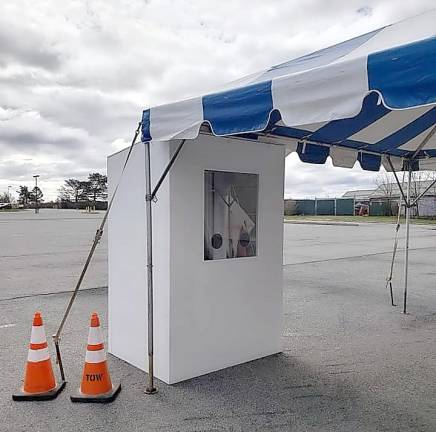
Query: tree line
[26,196]
[91,190]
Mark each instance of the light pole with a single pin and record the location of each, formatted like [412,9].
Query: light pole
[36,193]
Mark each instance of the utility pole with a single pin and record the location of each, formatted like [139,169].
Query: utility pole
[9,194]
[36,193]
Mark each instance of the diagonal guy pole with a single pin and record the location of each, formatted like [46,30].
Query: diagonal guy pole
[97,237]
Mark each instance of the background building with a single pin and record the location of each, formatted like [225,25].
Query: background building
[380,201]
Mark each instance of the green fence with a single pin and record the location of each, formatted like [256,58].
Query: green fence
[305,207]
[324,206]
[345,206]
[379,208]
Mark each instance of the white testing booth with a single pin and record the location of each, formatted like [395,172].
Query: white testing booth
[218,220]
[217,246]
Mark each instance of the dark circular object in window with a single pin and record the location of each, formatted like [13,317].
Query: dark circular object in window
[244,239]
[217,241]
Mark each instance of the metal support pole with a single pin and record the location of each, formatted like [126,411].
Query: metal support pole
[398,181]
[97,237]
[428,137]
[423,193]
[406,249]
[394,252]
[167,169]
[150,389]
[150,196]
[36,193]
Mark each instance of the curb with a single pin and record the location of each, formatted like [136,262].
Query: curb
[309,222]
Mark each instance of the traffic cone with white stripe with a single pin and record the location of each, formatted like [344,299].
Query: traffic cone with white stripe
[96,383]
[39,380]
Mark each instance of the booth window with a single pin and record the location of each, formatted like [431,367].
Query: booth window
[230,214]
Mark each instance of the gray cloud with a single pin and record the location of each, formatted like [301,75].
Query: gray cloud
[24,46]
[75,76]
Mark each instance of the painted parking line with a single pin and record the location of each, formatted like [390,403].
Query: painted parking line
[7,326]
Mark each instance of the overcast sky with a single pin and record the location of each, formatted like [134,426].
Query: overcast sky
[76,75]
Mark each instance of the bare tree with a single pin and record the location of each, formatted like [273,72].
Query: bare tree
[4,197]
[420,182]
[385,189]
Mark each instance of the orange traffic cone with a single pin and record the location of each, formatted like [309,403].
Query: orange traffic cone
[96,383]
[39,380]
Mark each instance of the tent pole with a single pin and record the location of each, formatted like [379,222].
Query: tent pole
[97,238]
[406,249]
[394,250]
[150,196]
[424,142]
[396,179]
[394,253]
[167,170]
[415,201]
[150,389]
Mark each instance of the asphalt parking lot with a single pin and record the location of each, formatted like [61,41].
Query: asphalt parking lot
[350,361]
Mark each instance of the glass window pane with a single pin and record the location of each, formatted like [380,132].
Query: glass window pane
[230,214]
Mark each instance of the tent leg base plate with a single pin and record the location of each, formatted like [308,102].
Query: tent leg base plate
[104,398]
[52,394]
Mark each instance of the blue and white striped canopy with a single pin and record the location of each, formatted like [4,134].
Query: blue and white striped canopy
[361,100]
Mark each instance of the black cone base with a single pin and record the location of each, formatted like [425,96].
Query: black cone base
[103,398]
[52,394]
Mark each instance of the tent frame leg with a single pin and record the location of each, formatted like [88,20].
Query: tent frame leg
[394,253]
[150,197]
[415,201]
[391,293]
[394,250]
[406,249]
[150,388]
[408,205]
[398,181]
[57,336]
